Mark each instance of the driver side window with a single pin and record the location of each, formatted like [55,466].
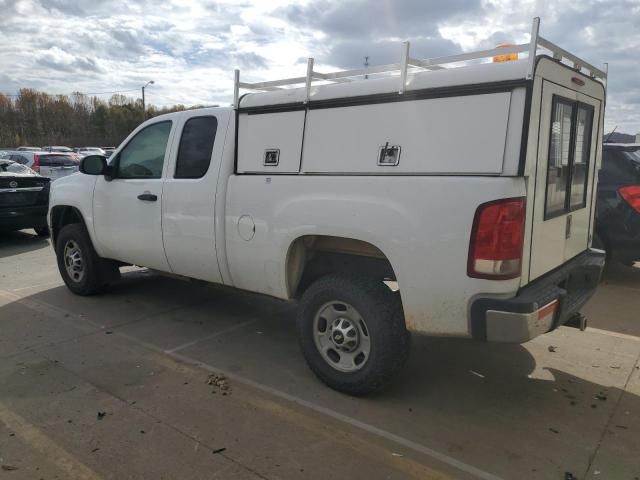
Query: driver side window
[143,156]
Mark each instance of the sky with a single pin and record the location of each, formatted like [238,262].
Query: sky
[190,48]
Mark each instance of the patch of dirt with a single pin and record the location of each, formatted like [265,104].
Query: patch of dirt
[220,383]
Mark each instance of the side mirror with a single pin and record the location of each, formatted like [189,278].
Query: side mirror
[93,165]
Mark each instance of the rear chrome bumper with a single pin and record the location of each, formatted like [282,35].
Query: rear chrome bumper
[542,305]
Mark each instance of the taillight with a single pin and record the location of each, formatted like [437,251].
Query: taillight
[631,195]
[36,163]
[497,237]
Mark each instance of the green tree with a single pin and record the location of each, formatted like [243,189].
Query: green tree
[37,119]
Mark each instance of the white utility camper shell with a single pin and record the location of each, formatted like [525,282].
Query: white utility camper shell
[454,121]
[467,182]
[346,125]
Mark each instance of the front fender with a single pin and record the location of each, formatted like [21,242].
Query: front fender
[75,191]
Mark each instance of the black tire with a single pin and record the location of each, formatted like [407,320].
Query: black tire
[42,231]
[97,272]
[380,308]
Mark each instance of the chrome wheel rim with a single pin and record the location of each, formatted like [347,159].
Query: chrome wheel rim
[341,336]
[73,261]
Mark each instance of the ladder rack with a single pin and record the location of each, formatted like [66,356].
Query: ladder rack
[407,62]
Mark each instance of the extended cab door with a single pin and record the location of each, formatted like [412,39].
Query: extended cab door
[564,182]
[188,207]
[128,209]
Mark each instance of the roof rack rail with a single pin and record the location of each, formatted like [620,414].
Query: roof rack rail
[407,62]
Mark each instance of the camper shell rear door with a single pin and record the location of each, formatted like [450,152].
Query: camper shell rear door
[563,167]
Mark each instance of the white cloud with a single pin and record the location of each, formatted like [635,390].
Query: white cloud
[190,48]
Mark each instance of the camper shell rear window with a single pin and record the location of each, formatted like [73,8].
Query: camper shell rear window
[568,157]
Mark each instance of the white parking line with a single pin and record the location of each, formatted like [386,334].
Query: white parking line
[71,466]
[405,442]
[232,328]
[48,284]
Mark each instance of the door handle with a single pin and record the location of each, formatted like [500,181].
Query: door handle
[148,197]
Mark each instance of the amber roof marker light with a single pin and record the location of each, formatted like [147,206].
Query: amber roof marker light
[507,57]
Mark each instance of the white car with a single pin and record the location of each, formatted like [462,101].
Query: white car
[28,149]
[84,151]
[471,187]
[52,165]
[58,149]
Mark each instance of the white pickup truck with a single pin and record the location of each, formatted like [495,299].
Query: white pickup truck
[471,188]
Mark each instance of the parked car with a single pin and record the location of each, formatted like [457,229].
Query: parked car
[58,149]
[24,198]
[52,165]
[326,193]
[618,208]
[84,151]
[67,150]
[28,149]
[108,151]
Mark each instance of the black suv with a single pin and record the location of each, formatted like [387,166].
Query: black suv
[618,209]
[24,198]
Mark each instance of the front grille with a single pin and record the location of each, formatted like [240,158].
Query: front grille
[21,195]
[22,182]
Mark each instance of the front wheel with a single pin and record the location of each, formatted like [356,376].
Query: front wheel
[352,333]
[84,272]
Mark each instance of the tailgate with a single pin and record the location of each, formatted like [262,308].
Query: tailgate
[57,166]
[565,172]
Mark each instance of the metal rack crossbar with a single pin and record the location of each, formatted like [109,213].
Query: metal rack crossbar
[407,62]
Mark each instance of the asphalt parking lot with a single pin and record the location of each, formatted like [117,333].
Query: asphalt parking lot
[129,385]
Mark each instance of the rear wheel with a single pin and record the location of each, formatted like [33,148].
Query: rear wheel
[352,333]
[84,272]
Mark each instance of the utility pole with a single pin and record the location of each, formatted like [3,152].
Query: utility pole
[144,107]
[366,65]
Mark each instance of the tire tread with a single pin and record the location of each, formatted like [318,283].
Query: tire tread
[100,272]
[388,355]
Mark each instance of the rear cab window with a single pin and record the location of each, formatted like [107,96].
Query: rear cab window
[196,147]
